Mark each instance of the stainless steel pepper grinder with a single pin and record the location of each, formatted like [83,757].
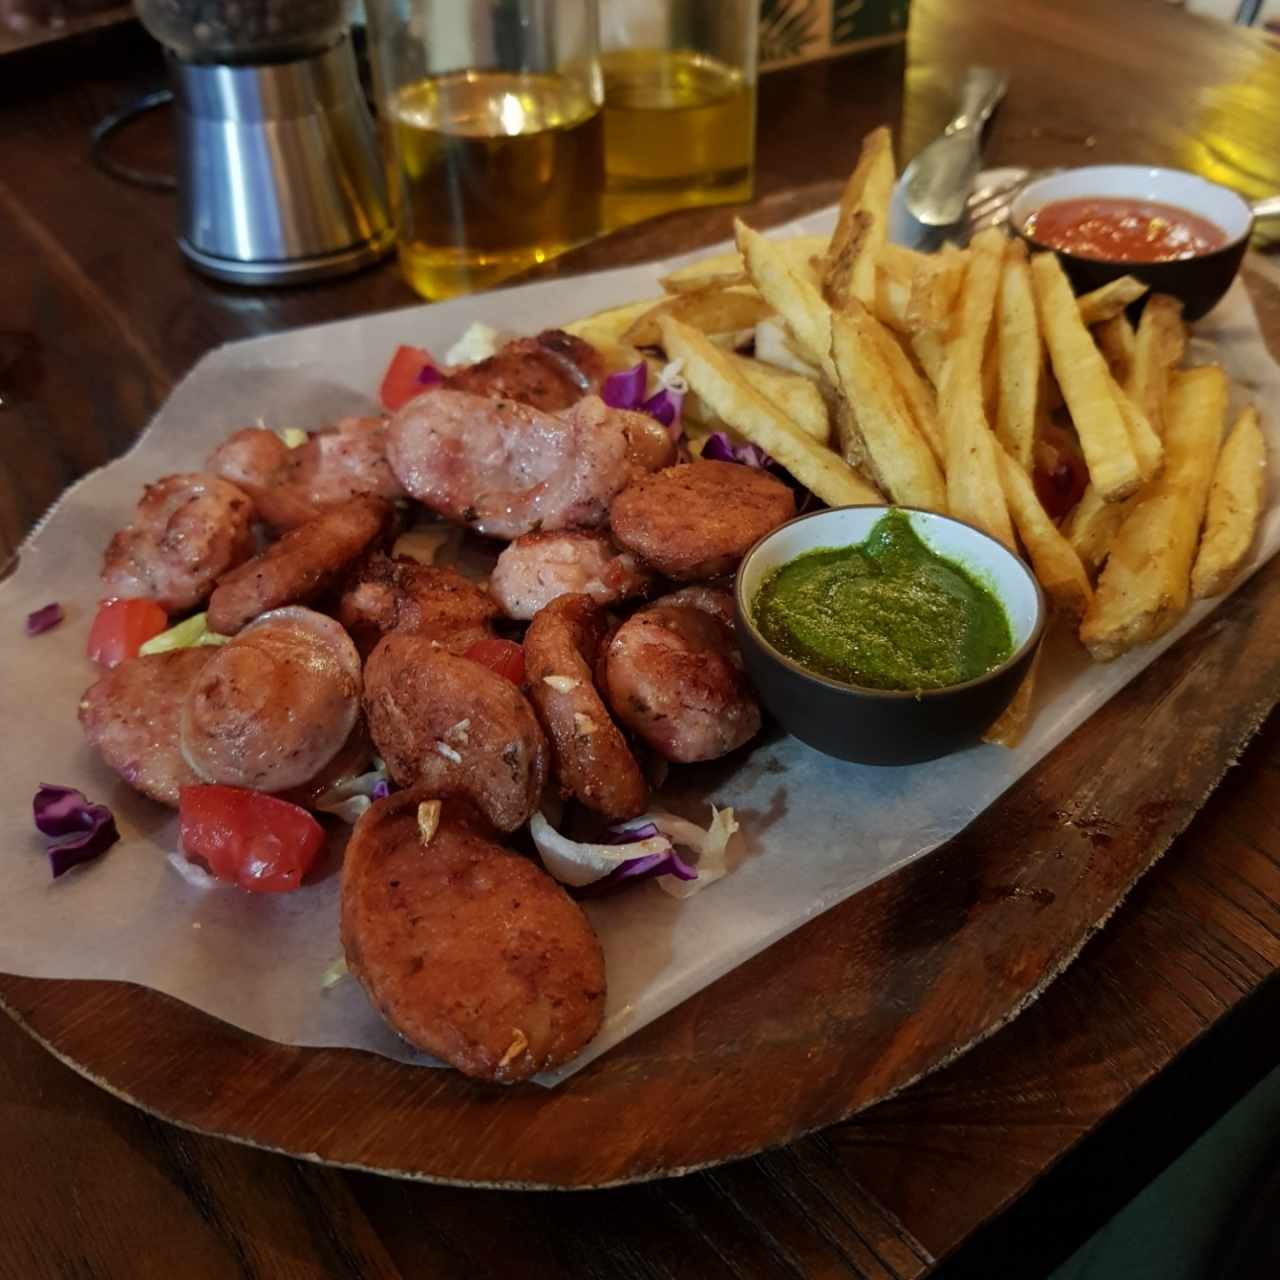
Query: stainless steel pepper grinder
[279,175]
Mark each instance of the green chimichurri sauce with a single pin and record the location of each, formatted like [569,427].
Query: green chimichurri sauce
[888,613]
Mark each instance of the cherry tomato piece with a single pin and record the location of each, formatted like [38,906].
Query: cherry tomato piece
[260,842]
[502,656]
[121,627]
[409,374]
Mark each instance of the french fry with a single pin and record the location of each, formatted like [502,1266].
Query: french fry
[607,327]
[1020,357]
[1115,340]
[1146,582]
[1057,566]
[1158,348]
[1009,729]
[711,374]
[934,290]
[720,269]
[1086,384]
[1235,506]
[898,458]
[1091,527]
[892,301]
[713,310]
[974,491]
[1144,442]
[776,346]
[849,270]
[797,396]
[792,293]
[921,400]
[930,350]
[1109,300]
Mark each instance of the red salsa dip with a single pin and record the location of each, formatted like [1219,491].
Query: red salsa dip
[1119,229]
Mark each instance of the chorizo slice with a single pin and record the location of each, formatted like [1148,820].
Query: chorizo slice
[470,952]
[455,726]
[697,520]
[305,564]
[591,757]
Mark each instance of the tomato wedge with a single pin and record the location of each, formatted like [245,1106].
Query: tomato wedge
[260,842]
[503,656]
[410,373]
[121,627]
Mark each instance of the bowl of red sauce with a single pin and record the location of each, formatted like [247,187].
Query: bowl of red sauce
[1179,233]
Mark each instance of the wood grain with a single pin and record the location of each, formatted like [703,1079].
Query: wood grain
[106,316]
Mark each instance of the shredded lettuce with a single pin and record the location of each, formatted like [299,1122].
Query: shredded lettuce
[710,844]
[350,798]
[577,863]
[187,634]
[479,342]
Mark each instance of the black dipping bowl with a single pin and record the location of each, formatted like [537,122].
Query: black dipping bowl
[879,726]
[1198,282]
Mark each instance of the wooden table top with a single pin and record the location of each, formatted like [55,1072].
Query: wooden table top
[1166,1016]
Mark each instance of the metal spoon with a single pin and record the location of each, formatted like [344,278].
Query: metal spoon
[928,205]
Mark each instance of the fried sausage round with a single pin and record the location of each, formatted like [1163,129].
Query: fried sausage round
[673,676]
[189,529]
[697,520]
[535,569]
[469,951]
[399,594]
[455,726]
[275,705]
[590,755]
[302,566]
[132,714]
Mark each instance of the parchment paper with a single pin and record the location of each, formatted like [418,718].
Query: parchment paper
[814,830]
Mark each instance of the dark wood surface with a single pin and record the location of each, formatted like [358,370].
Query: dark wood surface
[102,317]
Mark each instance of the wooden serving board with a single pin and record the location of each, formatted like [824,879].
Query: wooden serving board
[888,986]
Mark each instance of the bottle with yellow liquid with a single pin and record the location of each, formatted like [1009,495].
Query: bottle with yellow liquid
[679,104]
[494,134]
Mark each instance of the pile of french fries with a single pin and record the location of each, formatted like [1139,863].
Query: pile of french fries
[939,381]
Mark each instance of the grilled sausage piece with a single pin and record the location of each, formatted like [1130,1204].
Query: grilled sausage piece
[131,715]
[591,757]
[456,727]
[469,951]
[504,468]
[674,677]
[697,520]
[402,595]
[291,486]
[549,372]
[189,530]
[304,565]
[533,570]
[274,706]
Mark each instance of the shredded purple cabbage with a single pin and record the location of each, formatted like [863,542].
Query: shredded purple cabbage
[719,448]
[622,834]
[381,790]
[44,619]
[82,831]
[429,375]
[625,390]
[669,863]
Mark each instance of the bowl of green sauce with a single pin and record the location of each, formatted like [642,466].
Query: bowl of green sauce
[886,635]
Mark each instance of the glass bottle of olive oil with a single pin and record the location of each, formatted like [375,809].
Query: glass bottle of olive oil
[494,171]
[679,130]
